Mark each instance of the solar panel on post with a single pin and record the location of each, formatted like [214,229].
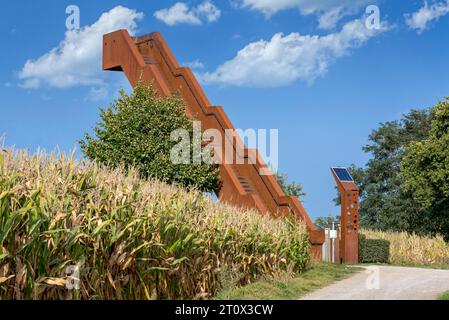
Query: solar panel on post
[343,174]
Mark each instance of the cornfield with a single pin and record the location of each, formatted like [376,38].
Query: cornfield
[411,249]
[130,238]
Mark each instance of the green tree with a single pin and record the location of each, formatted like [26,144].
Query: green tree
[425,172]
[384,204]
[136,131]
[326,222]
[289,188]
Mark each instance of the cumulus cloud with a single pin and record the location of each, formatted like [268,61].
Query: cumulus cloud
[77,59]
[329,12]
[420,19]
[182,13]
[288,58]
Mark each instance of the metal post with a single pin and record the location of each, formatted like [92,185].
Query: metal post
[349,215]
[333,243]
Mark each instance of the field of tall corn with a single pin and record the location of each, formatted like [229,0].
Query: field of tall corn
[131,239]
[410,249]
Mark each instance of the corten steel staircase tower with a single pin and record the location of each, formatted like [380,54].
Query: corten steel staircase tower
[149,60]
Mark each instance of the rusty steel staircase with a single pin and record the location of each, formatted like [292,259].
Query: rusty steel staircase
[149,60]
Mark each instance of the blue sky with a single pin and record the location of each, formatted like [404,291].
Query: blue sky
[307,68]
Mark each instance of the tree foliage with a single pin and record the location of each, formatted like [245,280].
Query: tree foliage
[384,203]
[326,222]
[425,170]
[289,188]
[405,185]
[136,131]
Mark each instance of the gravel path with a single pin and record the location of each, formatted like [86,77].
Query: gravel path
[387,283]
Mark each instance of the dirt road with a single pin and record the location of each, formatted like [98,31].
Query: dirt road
[387,283]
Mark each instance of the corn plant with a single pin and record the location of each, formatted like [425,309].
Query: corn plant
[411,249]
[130,238]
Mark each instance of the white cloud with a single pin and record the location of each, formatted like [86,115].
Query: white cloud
[285,59]
[194,65]
[208,10]
[181,13]
[77,59]
[178,13]
[329,12]
[97,94]
[420,19]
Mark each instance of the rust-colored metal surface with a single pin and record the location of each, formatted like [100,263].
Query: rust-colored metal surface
[148,59]
[349,225]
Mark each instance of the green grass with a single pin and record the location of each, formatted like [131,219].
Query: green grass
[444,296]
[286,287]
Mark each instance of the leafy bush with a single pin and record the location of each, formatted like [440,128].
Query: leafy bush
[373,250]
[136,131]
[404,248]
[132,238]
